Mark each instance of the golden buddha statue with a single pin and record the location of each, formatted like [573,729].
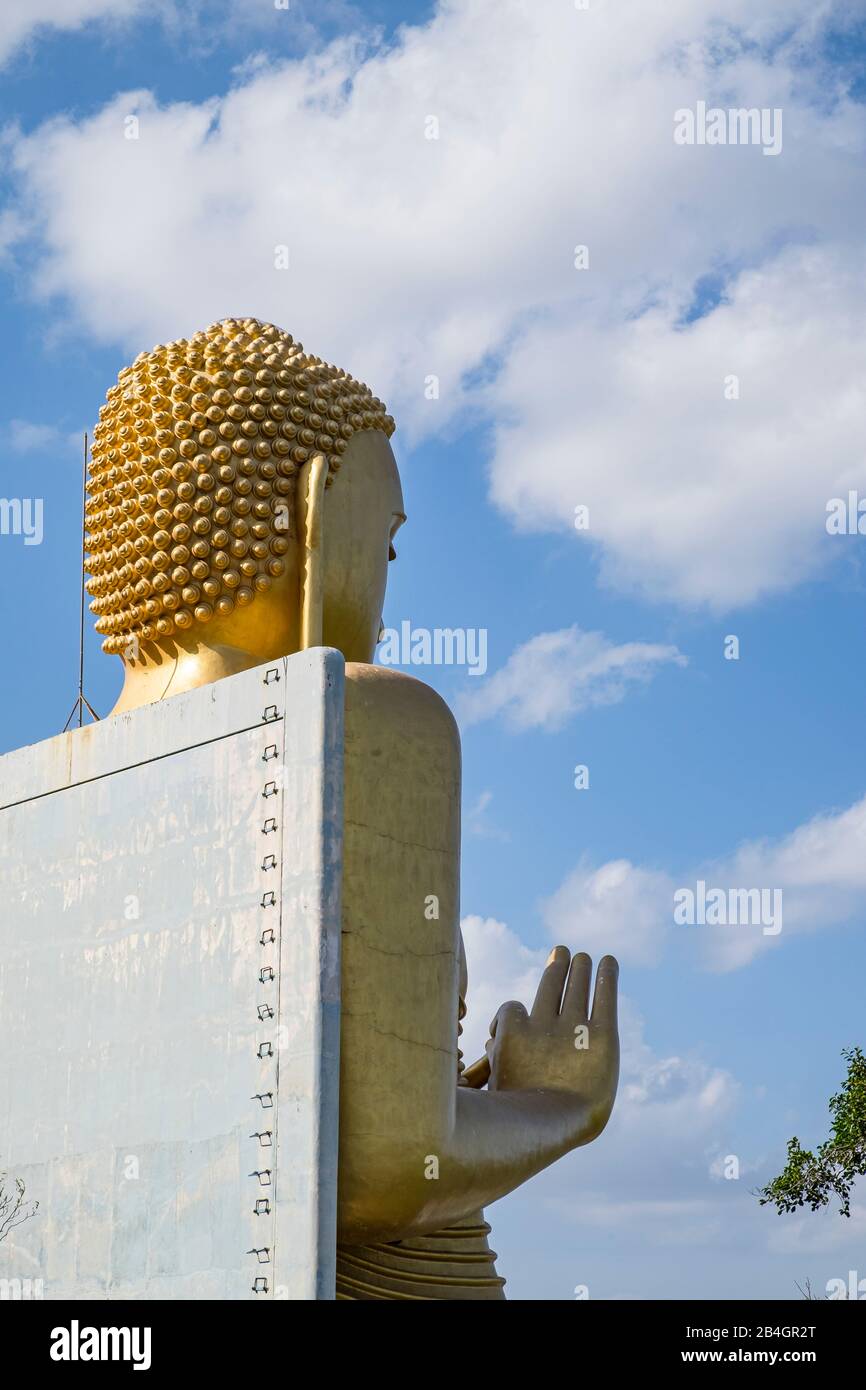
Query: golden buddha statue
[243,503]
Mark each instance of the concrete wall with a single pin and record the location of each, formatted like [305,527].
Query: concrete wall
[157,869]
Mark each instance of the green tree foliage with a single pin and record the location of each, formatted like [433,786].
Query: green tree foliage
[814,1177]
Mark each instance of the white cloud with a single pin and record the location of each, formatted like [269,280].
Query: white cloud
[27,437]
[616,908]
[477,822]
[720,1168]
[626,909]
[204,23]
[11,231]
[33,437]
[823,1231]
[821,869]
[557,674]
[411,257]
[500,968]
[692,496]
[21,19]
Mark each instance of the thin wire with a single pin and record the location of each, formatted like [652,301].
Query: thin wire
[82,701]
[81,628]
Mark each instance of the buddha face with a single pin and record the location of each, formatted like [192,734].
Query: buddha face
[362,512]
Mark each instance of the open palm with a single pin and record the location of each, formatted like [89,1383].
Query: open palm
[559,1045]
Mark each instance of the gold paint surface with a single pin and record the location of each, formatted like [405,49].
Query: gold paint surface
[221,536]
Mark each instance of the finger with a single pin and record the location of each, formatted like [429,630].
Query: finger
[512,1012]
[551,984]
[604,998]
[575,1001]
[478,1074]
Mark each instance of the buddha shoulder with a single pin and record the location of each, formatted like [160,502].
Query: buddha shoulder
[389,711]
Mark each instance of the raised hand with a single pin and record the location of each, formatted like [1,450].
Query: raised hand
[559,1046]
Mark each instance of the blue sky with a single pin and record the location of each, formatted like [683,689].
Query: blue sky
[558,387]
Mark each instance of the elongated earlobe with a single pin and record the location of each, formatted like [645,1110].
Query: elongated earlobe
[311,497]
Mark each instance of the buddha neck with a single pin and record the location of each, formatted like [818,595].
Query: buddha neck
[171,668]
[263,630]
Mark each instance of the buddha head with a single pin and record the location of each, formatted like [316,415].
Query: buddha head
[242,504]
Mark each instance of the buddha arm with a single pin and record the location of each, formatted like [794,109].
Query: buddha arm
[497,1142]
[416,1151]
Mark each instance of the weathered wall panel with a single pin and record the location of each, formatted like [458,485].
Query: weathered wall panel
[140,920]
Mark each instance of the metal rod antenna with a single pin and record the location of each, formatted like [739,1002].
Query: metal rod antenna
[82,701]
[81,628]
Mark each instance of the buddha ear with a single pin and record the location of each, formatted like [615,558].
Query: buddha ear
[310,504]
